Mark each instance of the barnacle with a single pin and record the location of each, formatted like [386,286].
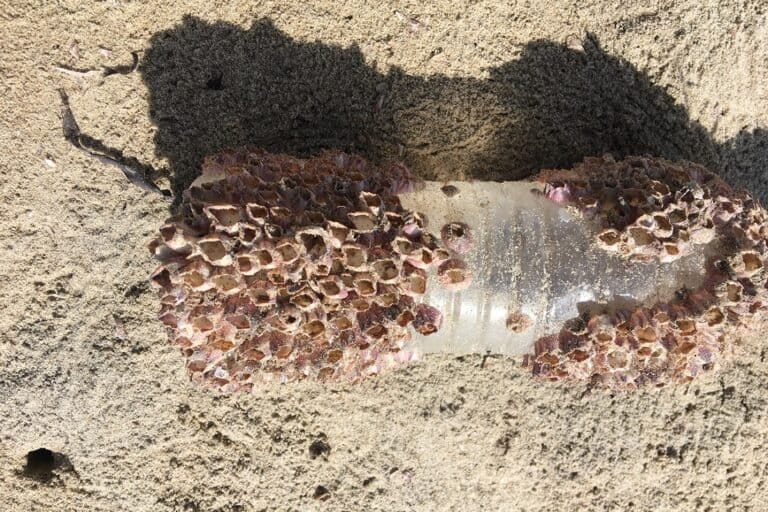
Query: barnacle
[457,237]
[454,274]
[630,273]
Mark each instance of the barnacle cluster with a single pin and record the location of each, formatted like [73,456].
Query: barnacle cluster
[647,208]
[279,269]
[651,208]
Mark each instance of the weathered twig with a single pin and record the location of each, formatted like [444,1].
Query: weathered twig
[136,172]
[105,70]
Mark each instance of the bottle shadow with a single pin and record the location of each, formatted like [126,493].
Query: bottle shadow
[215,85]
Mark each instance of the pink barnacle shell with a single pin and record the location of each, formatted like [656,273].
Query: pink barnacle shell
[427,319]
[457,237]
[561,194]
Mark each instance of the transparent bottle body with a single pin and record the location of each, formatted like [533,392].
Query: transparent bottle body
[534,266]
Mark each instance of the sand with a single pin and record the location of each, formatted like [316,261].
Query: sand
[456,89]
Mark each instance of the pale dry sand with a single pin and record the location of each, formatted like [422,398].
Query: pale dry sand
[473,89]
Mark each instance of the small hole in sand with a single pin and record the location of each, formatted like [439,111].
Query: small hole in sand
[319,447]
[321,493]
[41,464]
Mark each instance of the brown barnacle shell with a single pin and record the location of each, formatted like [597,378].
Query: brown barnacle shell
[372,201]
[714,316]
[277,276]
[295,271]
[162,252]
[333,288]
[355,257]
[337,233]
[440,255]
[238,321]
[279,344]
[315,327]
[670,252]
[388,295]
[268,196]
[414,282]
[401,245]
[342,321]
[281,216]
[662,227]
[365,284]
[261,294]
[726,209]
[169,318]
[404,318]
[288,318]
[454,275]
[387,271]
[646,334]
[363,221]
[213,249]
[257,213]
[609,239]
[338,268]
[264,255]
[429,240]
[427,319]
[418,218]
[175,237]
[640,236]
[196,275]
[659,190]
[225,218]
[313,242]
[395,220]
[457,237]
[198,359]
[305,299]
[376,332]
[288,251]
[249,234]
[273,231]
[309,218]
[617,359]
[646,222]
[247,263]
[686,326]
[421,257]
[748,263]
[361,304]
[676,214]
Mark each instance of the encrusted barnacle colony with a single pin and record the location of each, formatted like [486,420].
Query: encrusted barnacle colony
[623,273]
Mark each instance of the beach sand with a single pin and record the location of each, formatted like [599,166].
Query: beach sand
[456,89]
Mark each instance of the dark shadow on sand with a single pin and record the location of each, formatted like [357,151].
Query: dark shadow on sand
[215,85]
